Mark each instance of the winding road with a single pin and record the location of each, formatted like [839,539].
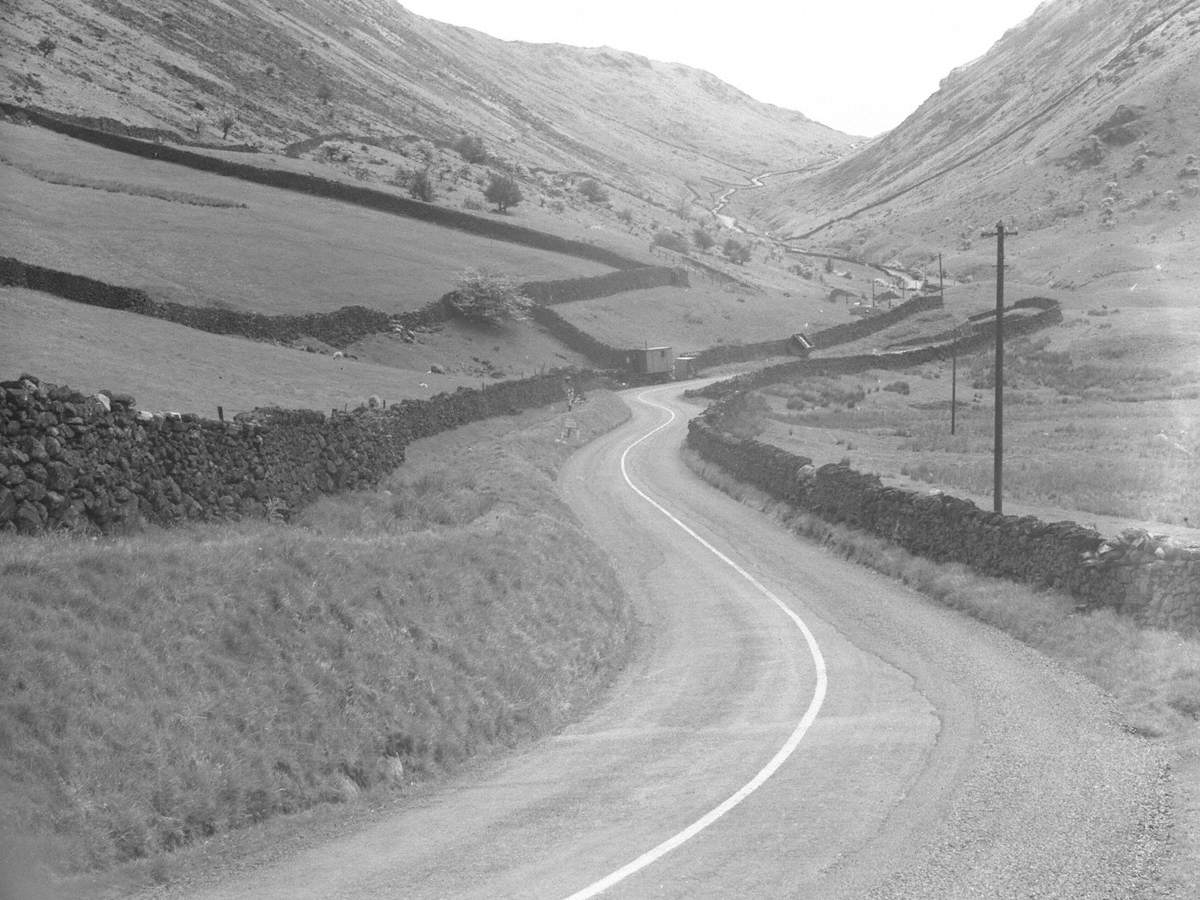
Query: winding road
[792,725]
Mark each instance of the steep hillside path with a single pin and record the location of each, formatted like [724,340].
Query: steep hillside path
[936,757]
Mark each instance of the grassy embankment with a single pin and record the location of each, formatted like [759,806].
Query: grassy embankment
[162,688]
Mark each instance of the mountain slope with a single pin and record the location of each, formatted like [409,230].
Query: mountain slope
[1086,100]
[297,68]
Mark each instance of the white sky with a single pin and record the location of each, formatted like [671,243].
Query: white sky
[860,66]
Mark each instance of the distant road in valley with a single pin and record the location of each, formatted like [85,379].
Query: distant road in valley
[792,725]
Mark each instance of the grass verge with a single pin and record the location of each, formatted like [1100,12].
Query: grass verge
[163,688]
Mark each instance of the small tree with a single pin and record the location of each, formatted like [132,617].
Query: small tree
[325,92]
[593,191]
[502,190]
[488,297]
[46,46]
[226,122]
[421,186]
[735,251]
[703,239]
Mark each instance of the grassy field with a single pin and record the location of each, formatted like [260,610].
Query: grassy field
[170,367]
[283,253]
[1102,423]
[701,316]
[173,686]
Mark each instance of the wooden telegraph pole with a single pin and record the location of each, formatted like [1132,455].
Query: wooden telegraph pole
[998,449]
[953,350]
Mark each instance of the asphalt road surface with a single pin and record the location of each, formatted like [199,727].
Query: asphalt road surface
[792,725]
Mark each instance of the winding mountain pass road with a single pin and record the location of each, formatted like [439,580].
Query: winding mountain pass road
[791,725]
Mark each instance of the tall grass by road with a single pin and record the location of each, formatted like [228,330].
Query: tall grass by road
[162,688]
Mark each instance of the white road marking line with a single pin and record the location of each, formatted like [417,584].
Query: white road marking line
[789,745]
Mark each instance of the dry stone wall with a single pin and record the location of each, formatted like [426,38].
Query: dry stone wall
[860,328]
[573,290]
[1156,583]
[339,328]
[68,460]
[829,337]
[1028,315]
[603,355]
[368,198]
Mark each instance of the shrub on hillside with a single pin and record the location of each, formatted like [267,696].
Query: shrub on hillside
[336,153]
[470,147]
[421,186]
[672,240]
[46,46]
[735,251]
[703,239]
[488,298]
[593,191]
[823,392]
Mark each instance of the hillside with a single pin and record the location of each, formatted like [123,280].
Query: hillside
[297,69]
[1086,100]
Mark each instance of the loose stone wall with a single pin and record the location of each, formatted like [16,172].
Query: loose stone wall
[312,185]
[573,290]
[1156,583]
[1023,317]
[68,460]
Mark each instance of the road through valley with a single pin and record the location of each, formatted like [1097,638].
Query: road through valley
[791,725]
